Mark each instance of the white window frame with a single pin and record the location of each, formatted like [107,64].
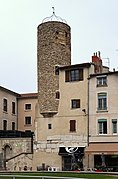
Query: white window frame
[102,98]
[102,82]
[102,123]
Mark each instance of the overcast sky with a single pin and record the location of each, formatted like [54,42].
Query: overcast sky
[94,27]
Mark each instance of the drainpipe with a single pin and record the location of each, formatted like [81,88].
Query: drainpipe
[88,111]
[88,119]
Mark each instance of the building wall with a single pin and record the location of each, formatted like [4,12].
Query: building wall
[22,112]
[8,116]
[105,143]
[48,141]
[111,113]
[18,153]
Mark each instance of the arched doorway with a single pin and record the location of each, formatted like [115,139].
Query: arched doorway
[7,153]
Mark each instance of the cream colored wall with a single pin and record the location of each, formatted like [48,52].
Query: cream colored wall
[7,115]
[112,103]
[48,141]
[22,113]
[60,122]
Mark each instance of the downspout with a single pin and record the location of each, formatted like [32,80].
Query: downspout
[17,100]
[88,119]
[88,111]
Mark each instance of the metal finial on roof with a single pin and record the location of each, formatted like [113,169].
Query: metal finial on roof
[53,17]
[53,10]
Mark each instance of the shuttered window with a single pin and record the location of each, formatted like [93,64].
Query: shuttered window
[72,125]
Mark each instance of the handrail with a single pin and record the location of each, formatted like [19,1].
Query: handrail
[42,177]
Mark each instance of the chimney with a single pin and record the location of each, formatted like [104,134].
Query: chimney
[97,62]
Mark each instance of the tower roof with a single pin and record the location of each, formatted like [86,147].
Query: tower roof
[53,17]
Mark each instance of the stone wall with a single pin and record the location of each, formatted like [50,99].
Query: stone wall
[54,49]
[15,152]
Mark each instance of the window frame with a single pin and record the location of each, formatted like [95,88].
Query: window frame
[74,75]
[25,106]
[102,126]
[102,101]
[75,103]
[101,81]
[27,123]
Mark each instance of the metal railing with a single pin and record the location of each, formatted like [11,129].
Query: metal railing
[4,176]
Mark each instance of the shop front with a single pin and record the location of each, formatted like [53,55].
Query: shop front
[102,156]
[72,158]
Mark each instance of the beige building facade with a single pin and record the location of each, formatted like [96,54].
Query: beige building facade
[103,121]
[16,130]
[26,111]
[66,130]
[8,107]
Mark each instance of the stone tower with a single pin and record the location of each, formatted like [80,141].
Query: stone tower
[53,50]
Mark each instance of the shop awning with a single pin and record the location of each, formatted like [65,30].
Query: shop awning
[102,148]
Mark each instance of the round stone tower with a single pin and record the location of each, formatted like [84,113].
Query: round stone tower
[53,50]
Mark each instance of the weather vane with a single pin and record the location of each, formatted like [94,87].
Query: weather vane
[53,10]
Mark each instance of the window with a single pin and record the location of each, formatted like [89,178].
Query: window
[5,125]
[57,94]
[27,106]
[75,103]
[13,107]
[56,70]
[49,126]
[72,125]
[102,101]
[5,105]
[114,126]
[74,75]
[102,126]
[28,120]
[13,126]
[102,81]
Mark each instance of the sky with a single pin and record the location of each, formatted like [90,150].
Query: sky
[94,27]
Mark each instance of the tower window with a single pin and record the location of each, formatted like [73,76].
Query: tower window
[56,70]
[57,95]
